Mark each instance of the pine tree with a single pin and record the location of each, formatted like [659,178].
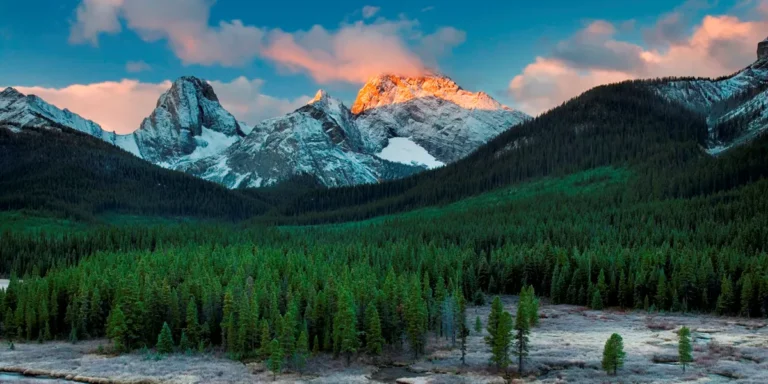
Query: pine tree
[533,306]
[185,344]
[597,300]
[662,292]
[463,328]
[133,308]
[266,338]
[302,352]
[502,341]
[373,338]
[497,309]
[228,330]
[275,358]
[193,325]
[747,297]
[726,298]
[116,329]
[416,319]
[613,354]
[684,347]
[316,345]
[165,340]
[522,329]
[345,331]
[288,332]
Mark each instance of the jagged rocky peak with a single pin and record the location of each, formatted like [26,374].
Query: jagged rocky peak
[192,104]
[188,123]
[762,50]
[11,92]
[390,89]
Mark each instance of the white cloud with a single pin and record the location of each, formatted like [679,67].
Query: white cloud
[244,99]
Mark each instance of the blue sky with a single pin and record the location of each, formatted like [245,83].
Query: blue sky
[527,54]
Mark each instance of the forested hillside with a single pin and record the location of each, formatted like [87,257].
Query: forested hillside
[74,174]
[623,124]
[581,239]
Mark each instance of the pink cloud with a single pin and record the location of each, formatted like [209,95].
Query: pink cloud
[121,106]
[116,106]
[351,53]
[718,45]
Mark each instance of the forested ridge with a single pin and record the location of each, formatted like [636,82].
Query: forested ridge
[607,201]
[75,175]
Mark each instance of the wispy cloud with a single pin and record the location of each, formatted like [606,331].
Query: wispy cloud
[137,66]
[370,11]
[351,53]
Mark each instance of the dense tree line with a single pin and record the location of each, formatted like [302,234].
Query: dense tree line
[579,240]
[61,170]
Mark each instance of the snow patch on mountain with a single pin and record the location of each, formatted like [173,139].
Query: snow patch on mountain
[33,112]
[433,112]
[403,150]
[188,123]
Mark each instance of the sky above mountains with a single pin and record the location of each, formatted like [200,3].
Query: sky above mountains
[109,60]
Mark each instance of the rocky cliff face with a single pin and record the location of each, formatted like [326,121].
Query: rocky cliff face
[31,111]
[320,139]
[397,126]
[762,50]
[433,112]
[736,106]
[188,124]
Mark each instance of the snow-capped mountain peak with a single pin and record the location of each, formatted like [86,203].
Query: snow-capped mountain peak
[187,124]
[33,112]
[433,112]
[392,89]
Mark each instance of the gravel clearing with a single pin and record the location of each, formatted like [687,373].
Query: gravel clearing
[565,348]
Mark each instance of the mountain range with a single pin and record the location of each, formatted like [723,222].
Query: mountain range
[397,126]
[405,143]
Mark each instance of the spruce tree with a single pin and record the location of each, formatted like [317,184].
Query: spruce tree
[522,329]
[302,352]
[373,338]
[193,325]
[266,338]
[416,319]
[684,348]
[726,299]
[116,329]
[316,345]
[345,331]
[502,341]
[165,340]
[613,354]
[597,300]
[185,344]
[275,358]
[497,309]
